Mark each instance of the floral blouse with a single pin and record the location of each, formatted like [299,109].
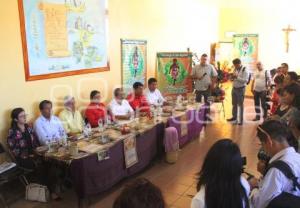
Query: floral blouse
[22,144]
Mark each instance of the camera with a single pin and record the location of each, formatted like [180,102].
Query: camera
[244,161]
[262,155]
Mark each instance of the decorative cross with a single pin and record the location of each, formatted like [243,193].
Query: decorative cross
[287,38]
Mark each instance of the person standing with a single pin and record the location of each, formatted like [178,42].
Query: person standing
[284,68]
[204,76]
[259,88]
[240,79]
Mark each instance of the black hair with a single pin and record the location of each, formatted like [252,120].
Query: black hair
[94,93]
[293,75]
[293,89]
[15,116]
[117,91]
[204,55]
[151,80]
[136,85]
[295,119]
[141,193]
[221,176]
[277,131]
[279,79]
[43,103]
[237,61]
[285,65]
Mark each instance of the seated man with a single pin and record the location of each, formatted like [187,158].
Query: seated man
[71,118]
[137,100]
[120,107]
[273,136]
[153,95]
[96,110]
[48,127]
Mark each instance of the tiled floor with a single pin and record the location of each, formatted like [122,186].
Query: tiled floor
[176,181]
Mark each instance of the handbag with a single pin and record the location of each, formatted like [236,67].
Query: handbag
[37,192]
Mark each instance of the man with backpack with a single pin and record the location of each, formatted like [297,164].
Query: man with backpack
[259,88]
[279,187]
[240,80]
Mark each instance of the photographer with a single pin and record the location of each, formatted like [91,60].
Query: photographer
[240,79]
[279,185]
[220,183]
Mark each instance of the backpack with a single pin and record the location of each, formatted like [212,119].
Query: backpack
[249,77]
[285,200]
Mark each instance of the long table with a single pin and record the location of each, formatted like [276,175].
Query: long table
[91,176]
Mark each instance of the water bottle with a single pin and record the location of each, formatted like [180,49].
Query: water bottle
[100,125]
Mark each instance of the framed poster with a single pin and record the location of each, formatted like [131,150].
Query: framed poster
[130,153]
[245,47]
[63,37]
[173,73]
[133,62]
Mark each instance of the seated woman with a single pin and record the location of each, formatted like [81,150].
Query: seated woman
[96,110]
[141,193]
[22,142]
[288,102]
[220,183]
[279,79]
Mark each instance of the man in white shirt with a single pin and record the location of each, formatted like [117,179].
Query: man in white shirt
[273,136]
[153,94]
[48,127]
[259,88]
[119,107]
[204,76]
[240,80]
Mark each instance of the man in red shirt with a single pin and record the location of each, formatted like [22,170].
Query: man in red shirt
[137,100]
[95,110]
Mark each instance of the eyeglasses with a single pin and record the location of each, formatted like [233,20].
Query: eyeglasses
[23,116]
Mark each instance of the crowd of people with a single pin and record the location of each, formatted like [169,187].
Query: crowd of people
[220,181]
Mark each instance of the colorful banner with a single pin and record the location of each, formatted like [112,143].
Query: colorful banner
[246,48]
[134,62]
[173,73]
[130,153]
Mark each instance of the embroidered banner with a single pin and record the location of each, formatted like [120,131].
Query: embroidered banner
[245,47]
[173,73]
[134,62]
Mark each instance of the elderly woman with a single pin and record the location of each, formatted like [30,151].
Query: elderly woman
[71,118]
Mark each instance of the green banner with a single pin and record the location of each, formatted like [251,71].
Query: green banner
[134,62]
[173,73]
